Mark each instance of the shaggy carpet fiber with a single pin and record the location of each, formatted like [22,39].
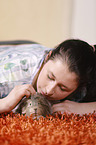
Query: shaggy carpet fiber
[52,130]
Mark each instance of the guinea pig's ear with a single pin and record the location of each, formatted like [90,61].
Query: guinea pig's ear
[48,55]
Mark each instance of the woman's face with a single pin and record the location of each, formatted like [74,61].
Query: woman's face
[55,81]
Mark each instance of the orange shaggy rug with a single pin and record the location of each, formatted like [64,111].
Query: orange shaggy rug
[52,130]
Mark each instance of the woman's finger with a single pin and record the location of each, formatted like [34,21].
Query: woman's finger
[30,88]
[61,107]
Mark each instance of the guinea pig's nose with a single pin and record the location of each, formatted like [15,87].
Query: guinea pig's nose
[35,111]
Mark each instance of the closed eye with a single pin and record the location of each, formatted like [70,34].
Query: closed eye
[51,78]
[61,88]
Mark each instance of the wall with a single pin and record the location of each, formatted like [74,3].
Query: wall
[84,20]
[44,21]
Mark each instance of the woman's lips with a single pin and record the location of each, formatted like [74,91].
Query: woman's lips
[47,96]
[44,94]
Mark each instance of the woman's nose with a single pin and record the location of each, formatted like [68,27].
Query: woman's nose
[50,89]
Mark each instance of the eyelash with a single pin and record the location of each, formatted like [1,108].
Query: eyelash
[61,89]
[50,77]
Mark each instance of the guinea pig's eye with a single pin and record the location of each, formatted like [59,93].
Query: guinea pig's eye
[30,104]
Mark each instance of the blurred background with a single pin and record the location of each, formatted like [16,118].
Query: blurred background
[48,22]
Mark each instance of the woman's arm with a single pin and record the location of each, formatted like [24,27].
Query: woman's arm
[74,107]
[10,101]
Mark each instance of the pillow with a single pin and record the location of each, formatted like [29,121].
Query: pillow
[18,63]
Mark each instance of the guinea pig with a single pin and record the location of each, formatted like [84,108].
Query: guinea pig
[37,105]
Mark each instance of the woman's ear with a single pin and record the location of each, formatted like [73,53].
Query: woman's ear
[48,55]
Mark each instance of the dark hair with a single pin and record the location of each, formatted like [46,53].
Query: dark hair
[81,59]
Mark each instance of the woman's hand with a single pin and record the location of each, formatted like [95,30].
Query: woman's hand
[74,107]
[17,94]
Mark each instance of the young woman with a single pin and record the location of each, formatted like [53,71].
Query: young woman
[65,75]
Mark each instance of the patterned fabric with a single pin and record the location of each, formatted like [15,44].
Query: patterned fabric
[19,64]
